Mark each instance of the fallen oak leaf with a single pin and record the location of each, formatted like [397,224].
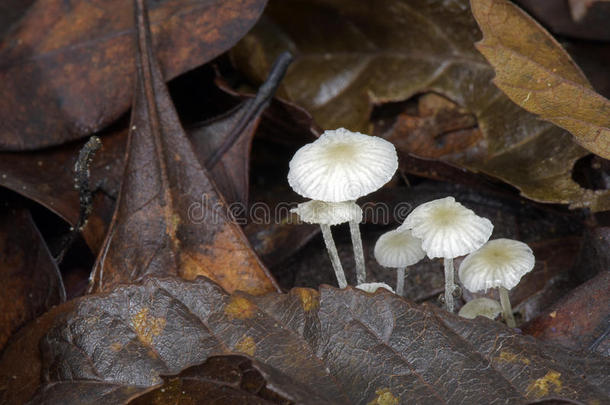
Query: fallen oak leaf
[536,73]
[69,66]
[155,229]
[312,347]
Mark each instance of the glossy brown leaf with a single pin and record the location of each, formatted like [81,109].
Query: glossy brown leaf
[170,220]
[30,282]
[312,347]
[539,75]
[221,380]
[352,56]
[68,67]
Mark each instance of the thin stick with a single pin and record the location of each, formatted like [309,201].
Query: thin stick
[354,229]
[400,281]
[334,256]
[449,284]
[507,309]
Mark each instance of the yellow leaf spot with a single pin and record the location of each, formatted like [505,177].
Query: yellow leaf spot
[246,345]
[553,314]
[542,386]
[384,397]
[116,347]
[240,308]
[147,327]
[310,299]
[509,357]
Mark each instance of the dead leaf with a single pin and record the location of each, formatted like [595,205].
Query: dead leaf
[539,75]
[312,347]
[169,219]
[227,380]
[69,66]
[30,282]
[351,57]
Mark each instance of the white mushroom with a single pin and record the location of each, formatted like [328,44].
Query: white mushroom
[499,263]
[481,307]
[448,230]
[398,249]
[343,166]
[327,214]
[372,287]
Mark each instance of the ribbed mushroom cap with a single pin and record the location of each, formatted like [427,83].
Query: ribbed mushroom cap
[499,263]
[372,287]
[481,306]
[447,228]
[342,166]
[398,249]
[320,212]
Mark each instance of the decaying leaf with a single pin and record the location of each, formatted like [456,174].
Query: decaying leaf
[170,220]
[226,380]
[351,56]
[313,347]
[30,282]
[539,75]
[67,68]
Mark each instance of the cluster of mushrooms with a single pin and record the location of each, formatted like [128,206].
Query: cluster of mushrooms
[342,166]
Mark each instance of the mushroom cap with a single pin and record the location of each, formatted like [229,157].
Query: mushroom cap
[499,263]
[320,212]
[398,248]
[341,166]
[447,228]
[481,307]
[372,287]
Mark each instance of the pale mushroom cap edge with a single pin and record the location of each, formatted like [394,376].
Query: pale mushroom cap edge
[341,166]
[499,263]
[320,212]
[398,248]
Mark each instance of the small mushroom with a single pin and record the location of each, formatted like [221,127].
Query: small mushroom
[343,166]
[499,263]
[398,249]
[481,307]
[326,214]
[372,287]
[448,230]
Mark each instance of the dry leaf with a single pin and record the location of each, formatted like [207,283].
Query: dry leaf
[313,347]
[67,68]
[352,56]
[539,75]
[170,220]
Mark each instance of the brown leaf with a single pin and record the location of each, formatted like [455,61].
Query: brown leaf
[226,380]
[30,282]
[539,75]
[69,66]
[312,347]
[351,57]
[169,219]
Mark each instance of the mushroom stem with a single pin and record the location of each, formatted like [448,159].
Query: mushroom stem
[354,229]
[449,284]
[400,280]
[334,256]
[507,309]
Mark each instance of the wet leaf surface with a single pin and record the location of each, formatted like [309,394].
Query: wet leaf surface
[352,57]
[326,346]
[69,66]
[30,282]
[170,220]
[539,75]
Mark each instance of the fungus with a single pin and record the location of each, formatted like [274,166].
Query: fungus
[481,307]
[372,287]
[448,230]
[398,249]
[343,166]
[499,263]
[326,214]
